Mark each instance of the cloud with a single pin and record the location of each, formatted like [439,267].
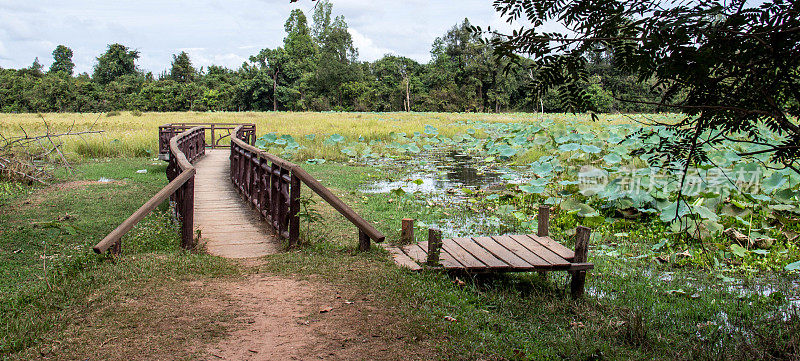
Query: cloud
[367,50]
[217,31]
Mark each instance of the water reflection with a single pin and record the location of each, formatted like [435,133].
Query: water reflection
[443,170]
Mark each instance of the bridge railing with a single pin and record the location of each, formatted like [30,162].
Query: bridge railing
[218,133]
[272,185]
[184,148]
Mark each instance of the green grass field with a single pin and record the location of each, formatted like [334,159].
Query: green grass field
[655,294]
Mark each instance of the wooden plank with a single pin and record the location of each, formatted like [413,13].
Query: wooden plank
[524,253]
[488,259]
[415,252]
[554,246]
[580,266]
[402,259]
[461,255]
[543,252]
[446,259]
[489,244]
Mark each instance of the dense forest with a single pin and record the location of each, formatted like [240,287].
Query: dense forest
[317,69]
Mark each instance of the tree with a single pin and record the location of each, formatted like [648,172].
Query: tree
[117,61]
[396,78]
[273,62]
[336,63]
[35,70]
[62,60]
[301,53]
[182,70]
[730,68]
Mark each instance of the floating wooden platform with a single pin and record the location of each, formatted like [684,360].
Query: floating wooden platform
[510,253]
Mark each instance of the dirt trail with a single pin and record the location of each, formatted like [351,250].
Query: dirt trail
[287,319]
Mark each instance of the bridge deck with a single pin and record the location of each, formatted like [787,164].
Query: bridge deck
[510,253]
[228,226]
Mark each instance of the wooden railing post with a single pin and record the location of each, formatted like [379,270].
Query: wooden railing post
[116,249]
[363,241]
[213,139]
[294,210]
[582,235]
[543,230]
[434,246]
[407,230]
[187,219]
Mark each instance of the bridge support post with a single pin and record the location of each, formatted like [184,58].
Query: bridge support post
[543,229]
[407,230]
[187,215]
[294,210]
[434,247]
[582,235]
[363,241]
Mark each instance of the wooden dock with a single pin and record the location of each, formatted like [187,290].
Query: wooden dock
[510,253]
[506,253]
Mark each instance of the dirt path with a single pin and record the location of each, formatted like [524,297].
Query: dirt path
[287,319]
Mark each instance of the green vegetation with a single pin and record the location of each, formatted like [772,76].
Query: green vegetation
[49,277]
[637,308]
[661,289]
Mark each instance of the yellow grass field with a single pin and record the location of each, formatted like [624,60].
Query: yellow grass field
[130,134]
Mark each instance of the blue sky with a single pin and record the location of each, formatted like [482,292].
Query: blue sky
[216,31]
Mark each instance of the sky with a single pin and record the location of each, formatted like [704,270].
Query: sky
[215,31]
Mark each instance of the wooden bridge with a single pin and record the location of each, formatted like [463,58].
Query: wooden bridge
[236,200]
[239,201]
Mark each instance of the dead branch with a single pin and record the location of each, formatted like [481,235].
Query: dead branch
[32,158]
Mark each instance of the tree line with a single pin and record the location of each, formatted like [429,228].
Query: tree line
[317,69]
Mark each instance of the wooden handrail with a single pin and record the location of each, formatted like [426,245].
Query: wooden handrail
[143,211]
[366,230]
[181,186]
[169,130]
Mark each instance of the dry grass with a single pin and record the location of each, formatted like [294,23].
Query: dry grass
[129,134]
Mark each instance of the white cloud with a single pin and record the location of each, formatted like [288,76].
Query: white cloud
[367,50]
[216,31]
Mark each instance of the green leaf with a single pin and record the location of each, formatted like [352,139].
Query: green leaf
[668,213]
[795,266]
[269,137]
[612,158]
[508,152]
[430,130]
[738,250]
[315,161]
[569,147]
[774,182]
[706,213]
[412,148]
[590,149]
[532,189]
[335,138]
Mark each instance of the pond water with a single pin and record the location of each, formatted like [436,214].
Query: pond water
[445,170]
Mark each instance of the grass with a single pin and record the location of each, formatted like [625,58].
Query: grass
[50,280]
[135,135]
[637,307]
